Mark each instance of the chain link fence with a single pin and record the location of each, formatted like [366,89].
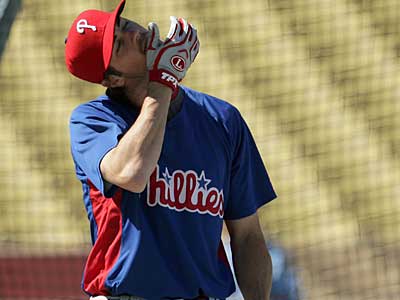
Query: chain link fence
[318,83]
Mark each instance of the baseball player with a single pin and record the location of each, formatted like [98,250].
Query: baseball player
[162,167]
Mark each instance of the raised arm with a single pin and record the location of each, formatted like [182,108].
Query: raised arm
[131,162]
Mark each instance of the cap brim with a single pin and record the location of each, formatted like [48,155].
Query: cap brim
[108,38]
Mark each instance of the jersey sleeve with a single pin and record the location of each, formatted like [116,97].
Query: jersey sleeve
[93,133]
[250,185]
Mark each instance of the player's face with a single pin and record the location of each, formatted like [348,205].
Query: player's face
[129,57]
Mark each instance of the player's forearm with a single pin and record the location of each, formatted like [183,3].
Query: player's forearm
[253,267]
[129,165]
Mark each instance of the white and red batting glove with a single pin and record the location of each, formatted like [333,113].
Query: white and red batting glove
[169,60]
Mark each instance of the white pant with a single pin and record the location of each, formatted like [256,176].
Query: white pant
[125,297]
[115,298]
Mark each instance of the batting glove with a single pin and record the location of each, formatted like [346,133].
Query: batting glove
[169,60]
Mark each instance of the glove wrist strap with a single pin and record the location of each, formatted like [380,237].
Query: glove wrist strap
[164,77]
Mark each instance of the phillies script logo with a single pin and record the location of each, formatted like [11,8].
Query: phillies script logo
[184,191]
[178,62]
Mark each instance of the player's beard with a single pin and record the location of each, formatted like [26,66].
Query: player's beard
[133,93]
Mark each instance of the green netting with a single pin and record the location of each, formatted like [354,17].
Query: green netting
[318,82]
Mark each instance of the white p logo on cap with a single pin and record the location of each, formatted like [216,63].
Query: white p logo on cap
[82,24]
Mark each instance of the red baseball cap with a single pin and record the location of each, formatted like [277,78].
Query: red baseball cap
[90,42]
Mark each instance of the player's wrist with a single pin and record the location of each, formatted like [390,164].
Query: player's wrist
[159,91]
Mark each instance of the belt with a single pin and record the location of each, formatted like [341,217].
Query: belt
[127,297]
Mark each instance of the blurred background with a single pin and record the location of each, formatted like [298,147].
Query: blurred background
[318,82]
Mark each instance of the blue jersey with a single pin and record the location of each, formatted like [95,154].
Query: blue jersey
[166,241]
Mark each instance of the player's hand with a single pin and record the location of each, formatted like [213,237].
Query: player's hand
[169,60]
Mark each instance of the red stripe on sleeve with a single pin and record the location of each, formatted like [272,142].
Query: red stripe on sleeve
[106,249]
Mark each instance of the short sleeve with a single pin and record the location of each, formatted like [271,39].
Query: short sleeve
[250,186]
[93,132]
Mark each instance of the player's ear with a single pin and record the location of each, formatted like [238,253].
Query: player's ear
[112,81]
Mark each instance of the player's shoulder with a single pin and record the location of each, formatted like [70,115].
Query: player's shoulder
[215,107]
[90,107]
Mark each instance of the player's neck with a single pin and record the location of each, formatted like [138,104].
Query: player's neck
[119,95]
